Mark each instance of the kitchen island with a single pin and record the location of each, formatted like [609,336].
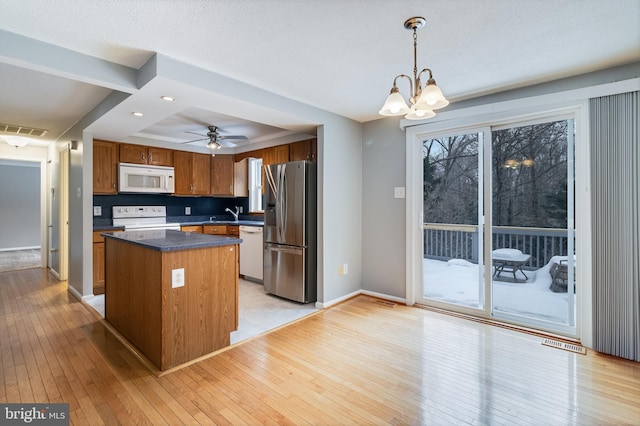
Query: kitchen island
[173,295]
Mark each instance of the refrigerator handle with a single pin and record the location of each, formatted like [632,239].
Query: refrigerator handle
[270,180]
[286,250]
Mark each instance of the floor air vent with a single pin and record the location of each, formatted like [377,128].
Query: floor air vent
[565,346]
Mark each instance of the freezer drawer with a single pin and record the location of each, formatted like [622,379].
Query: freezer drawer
[286,274]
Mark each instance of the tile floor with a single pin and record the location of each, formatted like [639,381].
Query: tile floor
[258,312]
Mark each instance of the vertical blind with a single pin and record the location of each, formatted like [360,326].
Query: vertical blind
[615,212]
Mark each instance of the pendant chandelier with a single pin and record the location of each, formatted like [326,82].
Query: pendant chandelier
[423,101]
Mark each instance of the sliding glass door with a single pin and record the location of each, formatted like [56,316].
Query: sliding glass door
[497,230]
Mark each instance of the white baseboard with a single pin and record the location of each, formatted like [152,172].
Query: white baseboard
[322,305]
[75,293]
[21,248]
[385,297]
[54,273]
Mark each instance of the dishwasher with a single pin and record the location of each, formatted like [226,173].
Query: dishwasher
[251,256]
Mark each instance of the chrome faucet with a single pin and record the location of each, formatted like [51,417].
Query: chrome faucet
[235,215]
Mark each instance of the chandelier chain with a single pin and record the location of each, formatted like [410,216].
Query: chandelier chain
[417,89]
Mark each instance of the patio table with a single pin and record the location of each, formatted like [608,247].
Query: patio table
[509,260]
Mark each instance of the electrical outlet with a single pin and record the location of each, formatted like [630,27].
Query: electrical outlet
[97,210]
[177,278]
[187,211]
[345,268]
[240,209]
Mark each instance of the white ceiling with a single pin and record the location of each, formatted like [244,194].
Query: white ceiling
[339,56]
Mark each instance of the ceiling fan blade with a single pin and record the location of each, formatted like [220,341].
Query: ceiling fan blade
[235,138]
[196,140]
[226,143]
[194,133]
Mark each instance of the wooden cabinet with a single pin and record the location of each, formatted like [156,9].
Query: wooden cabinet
[303,150]
[138,154]
[105,163]
[233,230]
[230,230]
[192,228]
[275,155]
[172,325]
[255,154]
[215,229]
[241,178]
[98,263]
[222,170]
[192,173]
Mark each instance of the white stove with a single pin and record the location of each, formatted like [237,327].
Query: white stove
[142,218]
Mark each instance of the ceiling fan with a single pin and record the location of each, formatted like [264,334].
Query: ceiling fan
[216,140]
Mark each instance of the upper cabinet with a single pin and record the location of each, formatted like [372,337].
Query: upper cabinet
[139,154]
[192,173]
[105,163]
[222,175]
[275,155]
[303,150]
[241,178]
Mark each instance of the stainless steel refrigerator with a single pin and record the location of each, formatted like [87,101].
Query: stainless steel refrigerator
[290,269]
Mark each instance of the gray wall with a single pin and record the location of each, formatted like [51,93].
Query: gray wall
[383,217]
[20,207]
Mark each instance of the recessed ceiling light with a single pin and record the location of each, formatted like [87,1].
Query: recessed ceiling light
[167,98]
[137,114]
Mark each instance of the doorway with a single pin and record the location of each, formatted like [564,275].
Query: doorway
[21,188]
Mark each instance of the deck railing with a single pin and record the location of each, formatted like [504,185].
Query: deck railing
[449,241]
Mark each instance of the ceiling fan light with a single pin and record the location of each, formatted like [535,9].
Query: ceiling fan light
[419,114]
[395,104]
[432,97]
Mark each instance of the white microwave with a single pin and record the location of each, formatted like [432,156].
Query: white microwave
[140,178]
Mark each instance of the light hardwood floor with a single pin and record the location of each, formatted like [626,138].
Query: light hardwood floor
[359,362]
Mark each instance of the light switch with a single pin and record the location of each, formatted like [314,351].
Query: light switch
[97,210]
[398,192]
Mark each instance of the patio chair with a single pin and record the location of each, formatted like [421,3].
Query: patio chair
[559,276]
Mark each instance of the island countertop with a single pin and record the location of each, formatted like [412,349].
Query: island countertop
[169,240]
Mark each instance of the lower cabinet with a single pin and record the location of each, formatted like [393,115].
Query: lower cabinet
[215,229]
[192,228]
[233,231]
[230,230]
[98,263]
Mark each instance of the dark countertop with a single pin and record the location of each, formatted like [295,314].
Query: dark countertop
[168,240]
[107,228]
[226,222]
